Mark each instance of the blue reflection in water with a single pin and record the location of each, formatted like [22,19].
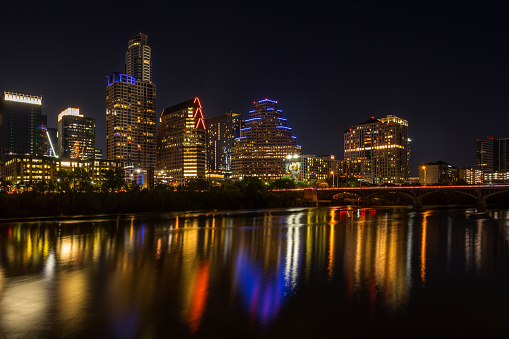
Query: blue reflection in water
[265,288]
[263,296]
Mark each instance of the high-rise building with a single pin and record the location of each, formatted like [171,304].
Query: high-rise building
[264,143]
[221,133]
[382,148]
[22,126]
[76,135]
[138,58]
[131,109]
[493,155]
[182,142]
[317,167]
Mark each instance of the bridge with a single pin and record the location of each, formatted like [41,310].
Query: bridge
[479,192]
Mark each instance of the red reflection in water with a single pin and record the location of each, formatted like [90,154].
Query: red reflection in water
[199,298]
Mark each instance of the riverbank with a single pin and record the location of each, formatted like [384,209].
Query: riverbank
[32,204]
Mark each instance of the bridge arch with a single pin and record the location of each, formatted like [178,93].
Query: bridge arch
[374,194]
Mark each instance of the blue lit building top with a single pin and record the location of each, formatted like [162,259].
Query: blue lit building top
[118,77]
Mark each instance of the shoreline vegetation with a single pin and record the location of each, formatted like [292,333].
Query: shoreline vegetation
[249,193]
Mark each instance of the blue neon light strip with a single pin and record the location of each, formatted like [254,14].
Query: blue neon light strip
[270,109]
[240,138]
[245,128]
[265,100]
[289,128]
[283,119]
[252,119]
[252,111]
[115,77]
[280,110]
[294,137]
[299,146]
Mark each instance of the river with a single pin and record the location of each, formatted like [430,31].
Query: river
[301,272]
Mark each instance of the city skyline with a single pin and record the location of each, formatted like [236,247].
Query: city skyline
[440,68]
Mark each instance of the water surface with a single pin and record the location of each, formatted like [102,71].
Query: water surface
[302,272]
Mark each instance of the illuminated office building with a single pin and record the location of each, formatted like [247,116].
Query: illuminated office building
[471,176]
[22,126]
[138,58]
[382,148]
[76,135]
[131,109]
[264,143]
[493,155]
[21,170]
[182,142]
[317,167]
[221,133]
[438,173]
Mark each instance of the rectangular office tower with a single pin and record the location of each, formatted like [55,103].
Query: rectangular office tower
[493,155]
[181,142]
[131,109]
[221,133]
[22,126]
[76,135]
[264,143]
[382,148]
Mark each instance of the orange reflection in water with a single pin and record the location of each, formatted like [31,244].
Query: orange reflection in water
[199,296]
[423,246]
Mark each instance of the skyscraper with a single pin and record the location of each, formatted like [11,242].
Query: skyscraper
[181,141]
[382,148]
[22,125]
[493,154]
[138,58]
[221,133]
[264,143]
[76,135]
[131,109]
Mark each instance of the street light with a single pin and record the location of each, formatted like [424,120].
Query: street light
[332,172]
[424,169]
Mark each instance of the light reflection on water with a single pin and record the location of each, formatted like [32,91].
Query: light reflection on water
[201,273]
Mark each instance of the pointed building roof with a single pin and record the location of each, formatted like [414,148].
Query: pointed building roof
[370,121]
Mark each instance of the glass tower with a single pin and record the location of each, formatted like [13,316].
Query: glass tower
[76,135]
[138,60]
[22,125]
[221,133]
[181,142]
[131,109]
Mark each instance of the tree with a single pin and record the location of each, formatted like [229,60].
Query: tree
[283,183]
[113,179]
[197,185]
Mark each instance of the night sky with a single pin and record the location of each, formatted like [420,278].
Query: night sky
[444,68]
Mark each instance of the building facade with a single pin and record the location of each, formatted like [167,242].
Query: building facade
[26,170]
[471,176]
[182,142]
[264,143]
[22,126]
[438,173]
[138,58]
[317,167]
[382,148]
[493,155]
[76,135]
[131,109]
[221,133]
